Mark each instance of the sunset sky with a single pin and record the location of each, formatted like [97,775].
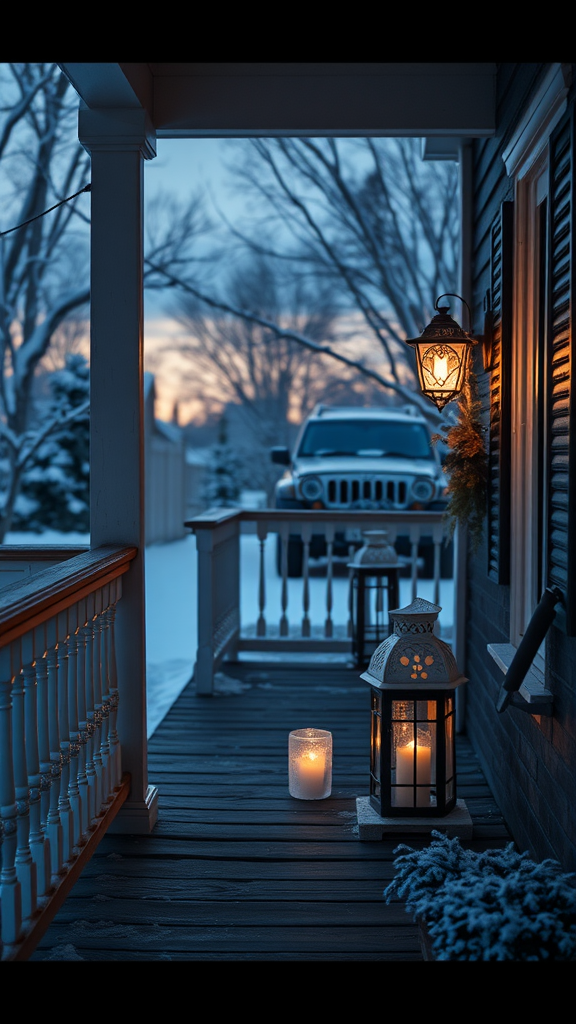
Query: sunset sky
[182,166]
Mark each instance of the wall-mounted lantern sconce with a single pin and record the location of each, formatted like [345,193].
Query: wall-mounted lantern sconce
[442,355]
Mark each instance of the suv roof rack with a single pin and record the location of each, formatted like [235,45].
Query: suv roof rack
[409,409]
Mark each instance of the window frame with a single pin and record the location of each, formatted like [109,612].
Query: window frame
[529,441]
[526,161]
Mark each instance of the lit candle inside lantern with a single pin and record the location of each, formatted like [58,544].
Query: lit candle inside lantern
[310,764]
[440,370]
[405,775]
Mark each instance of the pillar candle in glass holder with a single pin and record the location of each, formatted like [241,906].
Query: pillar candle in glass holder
[310,764]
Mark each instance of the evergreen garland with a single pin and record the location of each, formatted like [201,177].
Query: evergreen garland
[467,466]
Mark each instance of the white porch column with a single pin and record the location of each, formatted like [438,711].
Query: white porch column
[118,141]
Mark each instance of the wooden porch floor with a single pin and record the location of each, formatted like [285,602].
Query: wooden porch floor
[236,869]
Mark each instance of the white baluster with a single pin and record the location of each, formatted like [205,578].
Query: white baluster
[10,887]
[437,536]
[25,865]
[97,712]
[106,692]
[91,775]
[43,739]
[349,625]
[328,625]
[104,696]
[115,749]
[80,640]
[74,729]
[262,531]
[414,541]
[54,827]
[39,845]
[65,806]
[284,533]
[306,538]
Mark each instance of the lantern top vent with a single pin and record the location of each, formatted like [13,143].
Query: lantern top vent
[413,654]
[376,551]
[444,328]
[418,617]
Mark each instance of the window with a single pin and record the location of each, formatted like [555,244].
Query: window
[528,412]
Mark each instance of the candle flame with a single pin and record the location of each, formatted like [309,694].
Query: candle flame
[440,368]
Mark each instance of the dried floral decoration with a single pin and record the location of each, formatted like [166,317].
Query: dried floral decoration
[466,465]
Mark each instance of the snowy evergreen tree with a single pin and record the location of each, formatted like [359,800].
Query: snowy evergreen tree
[223,486]
[55,486]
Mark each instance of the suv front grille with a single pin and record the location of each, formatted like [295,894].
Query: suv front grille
[346,491]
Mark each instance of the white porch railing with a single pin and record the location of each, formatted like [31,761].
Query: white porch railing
[286,623]
[60,758]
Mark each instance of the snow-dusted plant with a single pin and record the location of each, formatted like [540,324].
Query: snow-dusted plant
[222,487]
[495,905]
[56,483]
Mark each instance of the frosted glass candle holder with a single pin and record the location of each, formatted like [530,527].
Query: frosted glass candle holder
[310,764]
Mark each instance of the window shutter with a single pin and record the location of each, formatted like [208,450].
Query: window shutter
[501,281]
[561,510]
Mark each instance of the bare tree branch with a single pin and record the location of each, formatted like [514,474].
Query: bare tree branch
[289,334]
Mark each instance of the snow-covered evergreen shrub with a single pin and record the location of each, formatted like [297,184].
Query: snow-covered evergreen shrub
[496,905]
[223,481]
[55,486]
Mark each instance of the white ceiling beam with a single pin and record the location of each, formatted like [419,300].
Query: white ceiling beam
[240,100]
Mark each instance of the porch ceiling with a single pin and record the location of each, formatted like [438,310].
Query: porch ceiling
[422,100]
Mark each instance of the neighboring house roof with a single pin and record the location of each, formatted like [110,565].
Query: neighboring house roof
[170,431]
[167,431]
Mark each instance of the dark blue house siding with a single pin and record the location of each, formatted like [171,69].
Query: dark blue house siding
[530,761]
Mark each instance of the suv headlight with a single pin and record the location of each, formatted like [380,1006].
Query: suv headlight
[423,489]
[311,488]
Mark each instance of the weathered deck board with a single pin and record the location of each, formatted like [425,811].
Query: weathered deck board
[236,869]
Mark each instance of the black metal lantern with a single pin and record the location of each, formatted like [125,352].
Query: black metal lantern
[374,591]
[442,355]
[413,679]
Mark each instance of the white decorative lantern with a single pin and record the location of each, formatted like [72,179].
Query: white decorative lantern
[413,678]
[374,590]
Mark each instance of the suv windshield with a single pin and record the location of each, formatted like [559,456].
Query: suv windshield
[366,438]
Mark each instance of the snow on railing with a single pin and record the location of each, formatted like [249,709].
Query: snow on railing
[60,757]
[298,603]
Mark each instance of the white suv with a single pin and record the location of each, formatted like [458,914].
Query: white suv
[348,458]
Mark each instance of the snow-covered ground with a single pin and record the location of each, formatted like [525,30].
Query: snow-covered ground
[172,602]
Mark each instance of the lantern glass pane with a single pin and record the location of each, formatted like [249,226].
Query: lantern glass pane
[441,369]
[375,744]
[426,710]
[449,733]
[412,757]
[426,776]
[403,710]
